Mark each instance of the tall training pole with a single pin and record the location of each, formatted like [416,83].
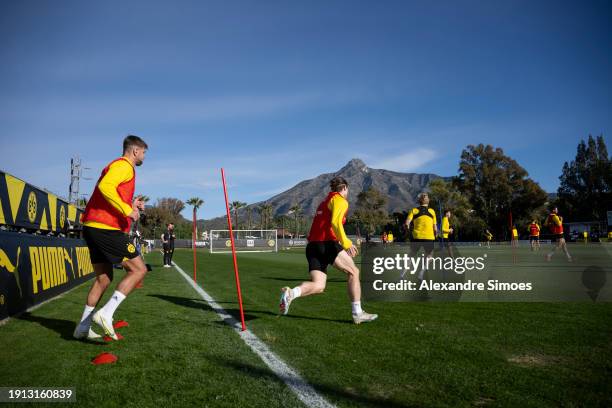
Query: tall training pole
[229,225]
[193,244]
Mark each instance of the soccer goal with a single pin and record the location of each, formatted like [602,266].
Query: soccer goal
[245,241]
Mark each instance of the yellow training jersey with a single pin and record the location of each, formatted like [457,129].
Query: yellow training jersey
[445,227]
[423,219]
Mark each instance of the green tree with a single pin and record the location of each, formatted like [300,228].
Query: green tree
[265,214]
[467,225]
[371,210]
[195,202]
[235,206]
[296,211]
[585,191]
[497,186]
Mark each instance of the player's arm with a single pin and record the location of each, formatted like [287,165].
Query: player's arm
[119,172]
[435,222]
[409,219]
[339,207]
[163,239]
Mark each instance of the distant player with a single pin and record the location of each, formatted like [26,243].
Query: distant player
[329,245]
[488,237]
[390,237]
[515,237]
[424,231]
[585,236]
[534,235]
[554,222]
[106,223]
[168,238]
[447,231]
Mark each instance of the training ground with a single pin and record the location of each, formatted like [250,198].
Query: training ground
[178,351]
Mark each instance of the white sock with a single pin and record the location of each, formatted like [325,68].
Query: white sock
[113,303]
[356,308]
[86,318]
[296,292]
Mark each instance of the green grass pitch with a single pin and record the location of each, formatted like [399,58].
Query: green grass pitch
[177,352]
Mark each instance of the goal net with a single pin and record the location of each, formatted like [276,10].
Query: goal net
[245,241]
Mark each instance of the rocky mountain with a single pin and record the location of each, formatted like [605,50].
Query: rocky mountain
[400,188]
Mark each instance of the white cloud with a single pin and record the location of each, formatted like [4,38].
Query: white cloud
[405,162]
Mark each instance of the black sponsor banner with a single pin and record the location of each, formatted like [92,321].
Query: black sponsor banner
[34,269]
[23,205]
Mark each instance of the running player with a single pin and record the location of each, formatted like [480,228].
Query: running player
[329,245]
[534,235]
[106,222]
[554,222]
[424,230]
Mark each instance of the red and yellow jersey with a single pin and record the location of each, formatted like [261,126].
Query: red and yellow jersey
[534,229]
[555,224]
[111,201]
[328,223]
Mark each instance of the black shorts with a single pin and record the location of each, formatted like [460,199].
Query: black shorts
[108,246]
[534,238]
[321,254]
[556,237]
[426,244]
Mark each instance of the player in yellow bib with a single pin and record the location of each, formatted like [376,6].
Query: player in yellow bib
[424,229]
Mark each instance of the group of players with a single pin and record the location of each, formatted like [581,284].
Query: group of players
[113,207]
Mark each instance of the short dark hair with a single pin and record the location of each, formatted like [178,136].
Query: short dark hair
[131,140]
[338,183]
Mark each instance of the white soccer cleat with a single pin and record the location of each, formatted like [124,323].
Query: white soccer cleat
[364,317]
[80,333]
[285,300]
[105,324]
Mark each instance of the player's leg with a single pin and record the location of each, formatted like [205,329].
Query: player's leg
[346,264]
[563,246]
[104,277]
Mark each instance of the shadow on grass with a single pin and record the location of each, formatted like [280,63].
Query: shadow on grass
[348,395]
[332,280]
[64,328]
[201,304]
[235,312]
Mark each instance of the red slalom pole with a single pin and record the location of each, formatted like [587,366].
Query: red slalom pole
[229,224]
[193,239]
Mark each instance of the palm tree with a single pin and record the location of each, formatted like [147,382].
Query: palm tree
[235,206]
[265,211]
[196,202]
[295,210]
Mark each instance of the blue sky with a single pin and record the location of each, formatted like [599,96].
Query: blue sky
[277,92]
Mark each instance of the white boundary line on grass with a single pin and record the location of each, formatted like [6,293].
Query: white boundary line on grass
[294,381]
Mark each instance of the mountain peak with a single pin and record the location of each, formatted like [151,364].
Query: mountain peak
[355,164]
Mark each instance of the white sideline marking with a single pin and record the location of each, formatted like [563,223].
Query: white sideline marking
[298,385]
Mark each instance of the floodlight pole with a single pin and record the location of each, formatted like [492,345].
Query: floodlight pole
[231,232]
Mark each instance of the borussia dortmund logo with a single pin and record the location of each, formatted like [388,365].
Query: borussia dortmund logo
[131,248]
[62,219]
[32,207]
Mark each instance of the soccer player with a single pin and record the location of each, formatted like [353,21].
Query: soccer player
[585,236]
[390,237]
[515,237]
[446,231]
[329,245]
[554,222]
[106,222]
[534,235]
[424,230]
[488,237]
[168,238]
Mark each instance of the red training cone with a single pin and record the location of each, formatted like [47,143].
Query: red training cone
[120,323]
[104,358]
[108,339]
